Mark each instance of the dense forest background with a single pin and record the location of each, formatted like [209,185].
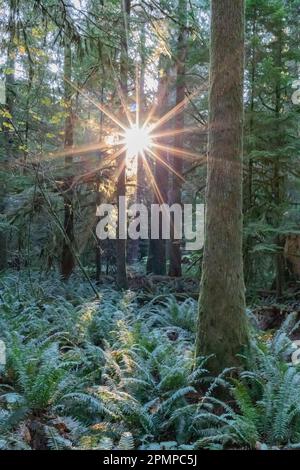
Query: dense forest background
[100,335]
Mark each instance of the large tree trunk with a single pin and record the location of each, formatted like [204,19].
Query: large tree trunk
[222,326]
[6,126]
[121,183]
[278,179]
[175,249]
[10,88]
[156,262]
[67,258]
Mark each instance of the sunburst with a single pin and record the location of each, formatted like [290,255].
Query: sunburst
[136,139]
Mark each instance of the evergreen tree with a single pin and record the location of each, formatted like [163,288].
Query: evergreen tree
[222,326]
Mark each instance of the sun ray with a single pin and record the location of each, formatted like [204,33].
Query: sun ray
[121,95]
[113,157]
[124,104]
[156,188]
[152,179]
[171,133]
[166,117]
[119,170]
[106,161]
[180,153]
[99,106]
[137,98]
[150,114]
[176,109]
[80,149]
[153,108]
[158,158]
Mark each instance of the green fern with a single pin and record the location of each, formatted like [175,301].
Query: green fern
[126,441]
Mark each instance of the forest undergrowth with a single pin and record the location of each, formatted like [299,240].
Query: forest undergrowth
[119,372]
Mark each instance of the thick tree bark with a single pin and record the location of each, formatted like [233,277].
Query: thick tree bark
[67,257]
[222,325]
[121,183]
[175,249]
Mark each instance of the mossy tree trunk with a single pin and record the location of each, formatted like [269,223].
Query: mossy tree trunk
[121,183]
[222,325]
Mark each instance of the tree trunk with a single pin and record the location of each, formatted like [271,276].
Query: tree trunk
[141,108]
[121,183]
[7,130]
[3,237]
[98,248]
[156,262]
[10,87]
[67,259]
[222,325]
[175,248]
[278,184]
[249,199]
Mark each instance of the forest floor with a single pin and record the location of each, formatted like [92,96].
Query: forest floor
[119,371]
